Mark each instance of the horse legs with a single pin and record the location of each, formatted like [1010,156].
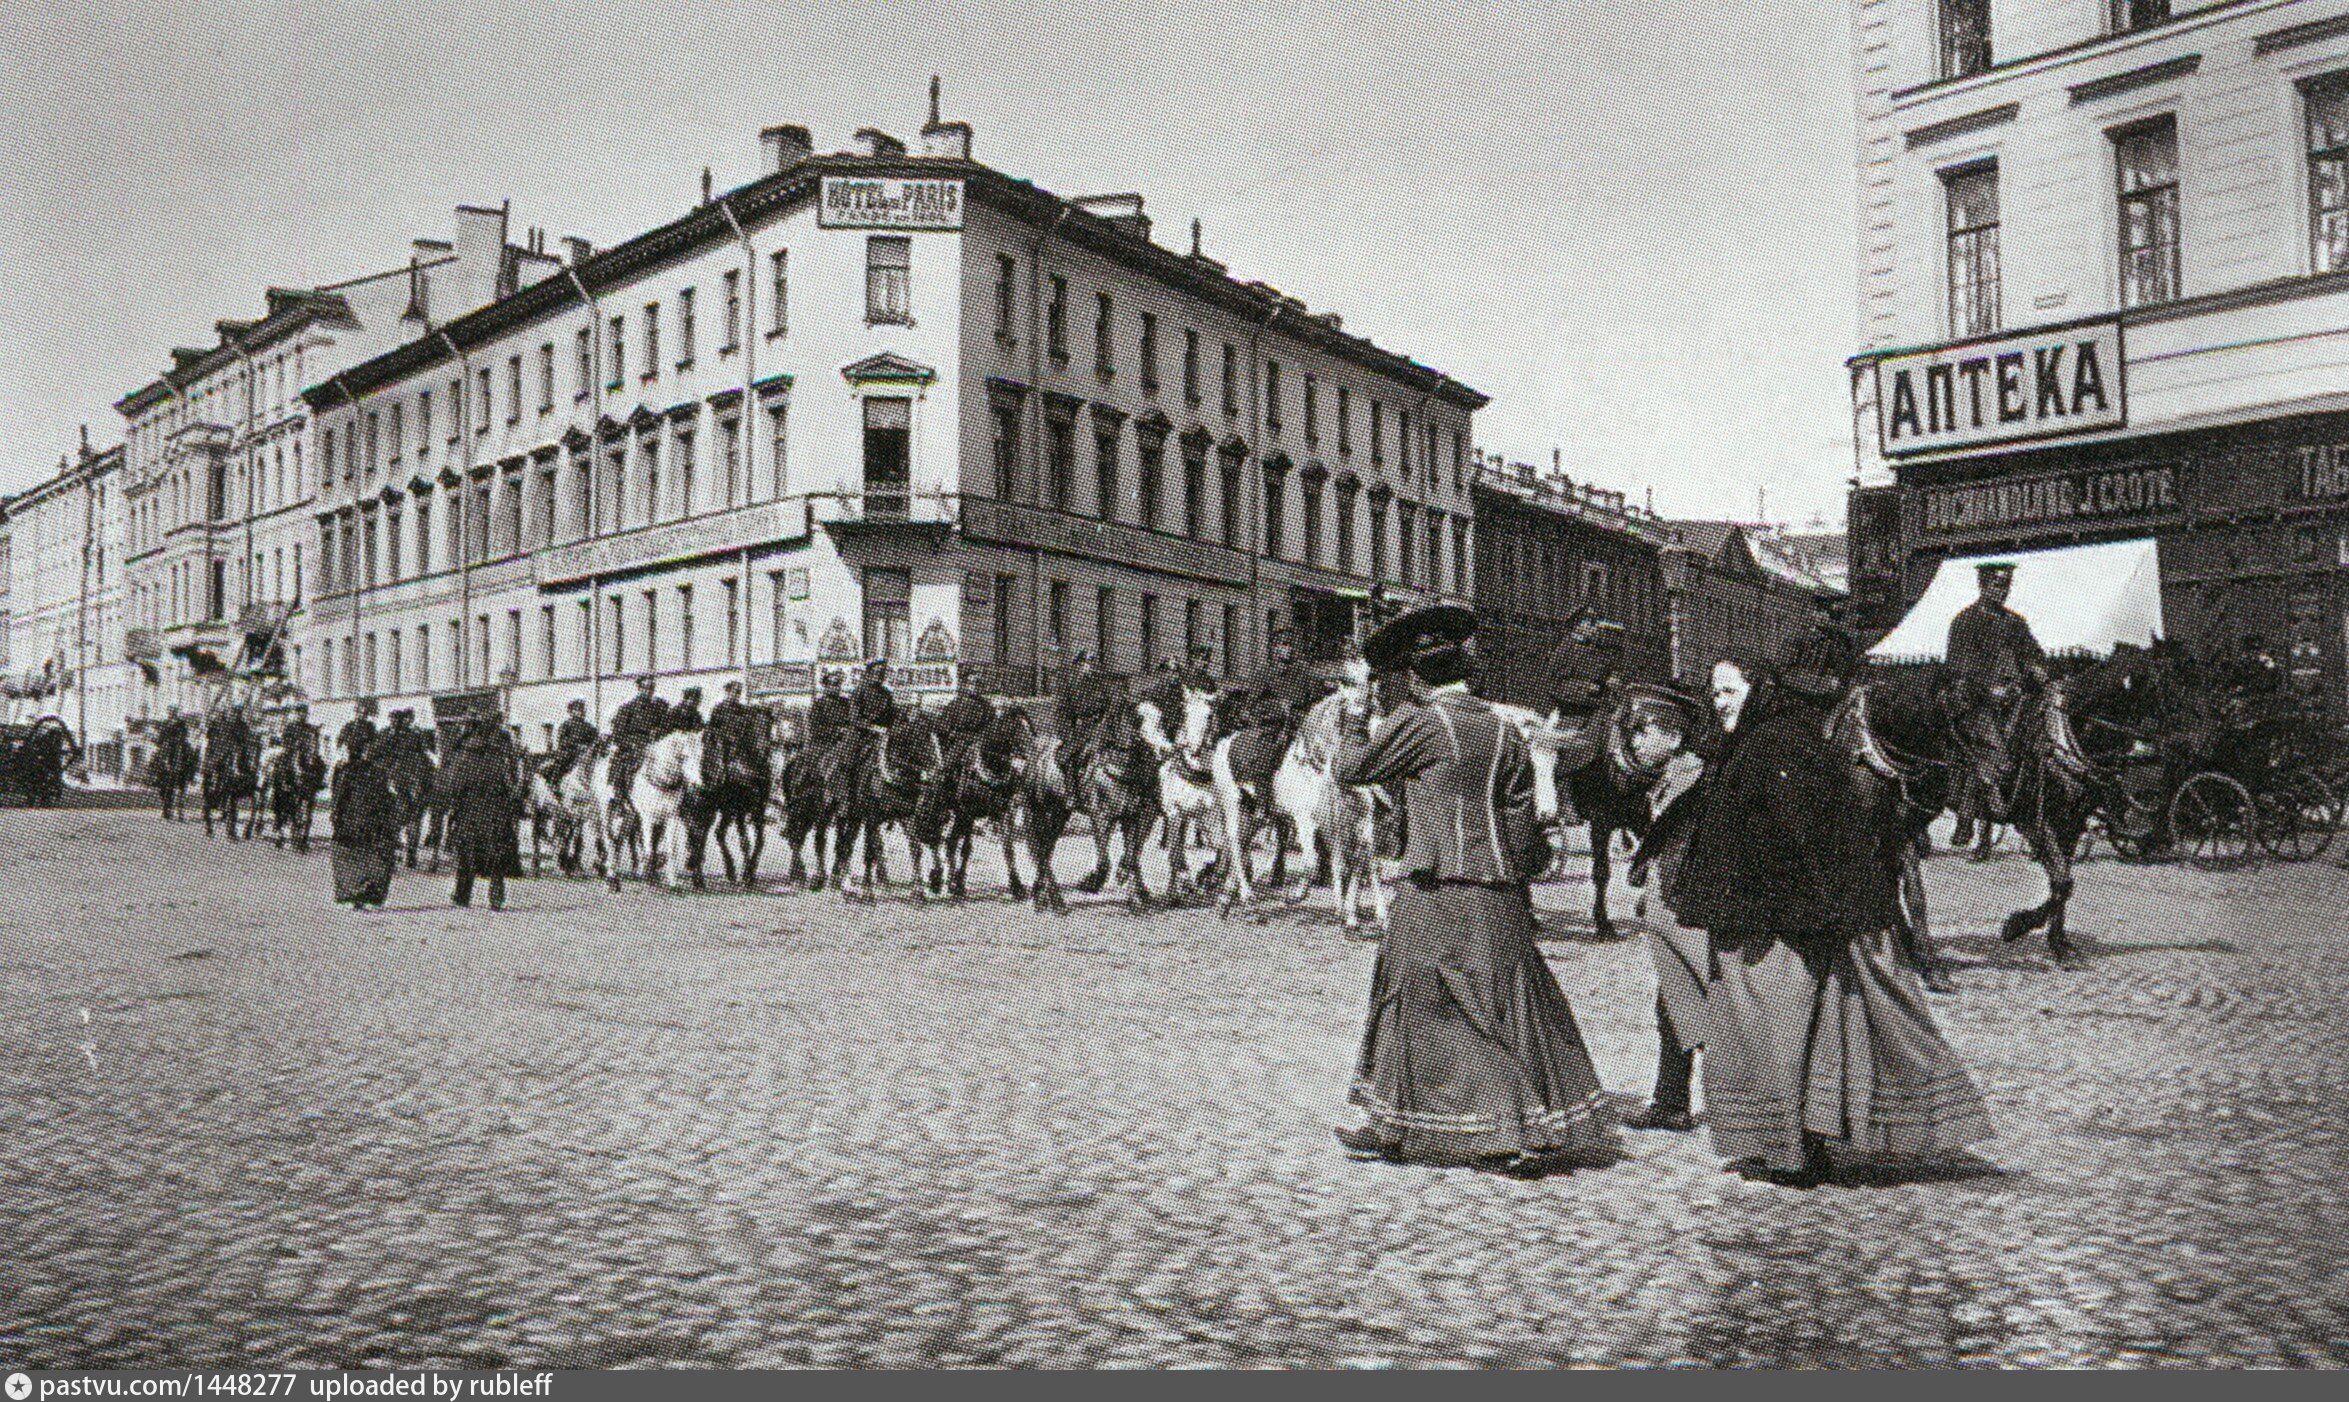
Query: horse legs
[1011,863]
[1104,831]
[1137,830]
[757,822]
[2055,858]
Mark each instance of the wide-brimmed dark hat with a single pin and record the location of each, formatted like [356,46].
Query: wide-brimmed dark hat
[1995,567]
[1421,630]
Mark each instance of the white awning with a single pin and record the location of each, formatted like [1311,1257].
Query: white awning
[2077,598]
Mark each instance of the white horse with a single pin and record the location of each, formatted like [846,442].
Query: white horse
[1306,792]
[1187,801]
[1541,744]
[612,823]
[567,806]
[667,780]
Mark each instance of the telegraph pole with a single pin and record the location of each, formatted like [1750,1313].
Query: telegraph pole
[81,641]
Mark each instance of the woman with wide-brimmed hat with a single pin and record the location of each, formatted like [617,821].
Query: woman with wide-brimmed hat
[1471,1055]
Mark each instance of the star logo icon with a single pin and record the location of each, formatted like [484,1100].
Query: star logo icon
[19,1387]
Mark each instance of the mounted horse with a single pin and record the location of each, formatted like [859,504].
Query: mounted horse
[738,772]
[413,772]
[231,779]
[1306,797]
[291,775]
[1252,746]
[887,781]
[1899,730]
[985,781]
[1609,773]
[172,769]
[565,807]
[670,805]
[1187,802]
[807,805]
[1047,799]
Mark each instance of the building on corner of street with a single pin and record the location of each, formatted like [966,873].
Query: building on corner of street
[61,599]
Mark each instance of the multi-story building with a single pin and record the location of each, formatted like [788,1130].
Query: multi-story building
[222,460]
[1546,547]
[1737,590]
[873,403]
[2104,295]
[61,604]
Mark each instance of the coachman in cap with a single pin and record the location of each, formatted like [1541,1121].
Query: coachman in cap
[1992,657]
[1471,1055]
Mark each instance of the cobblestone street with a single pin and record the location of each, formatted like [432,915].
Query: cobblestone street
[239,1125]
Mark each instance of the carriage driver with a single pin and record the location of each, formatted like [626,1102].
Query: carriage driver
[359,731]
[575,737]
[1992,657]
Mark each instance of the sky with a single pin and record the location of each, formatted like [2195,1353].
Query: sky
[1630,222]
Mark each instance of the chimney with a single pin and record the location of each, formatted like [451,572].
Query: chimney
[481,258]
[943,139]
[786,146]
[872,141]
[577,250]
[705,185]
[1124,212]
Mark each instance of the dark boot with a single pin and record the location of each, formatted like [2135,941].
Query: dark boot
[464,892]
[1668,1108]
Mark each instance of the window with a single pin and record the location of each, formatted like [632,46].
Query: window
[1104,335]
[1345,419]
[652,339]
[1056,321]
[586,636]
[616,633]
[1435,548]
[424,533]
[1149,637]
[546,378]
[480,514]
[514,389]
[648,456]
[374,451]
[1272,396]
[779,449]
[1194,488]
[688,470]
[1973,250]
[2145,161]
[730,459]
[391,540]
[1311,501]
[617,352]
[1965,37]
[1460,538]
[652,630]
[1312,415]
[733,326]
[546,640]
[370,669]
[1106,487]
[1006,274]
[889,614]
[483,383]
[1005,420]
[685,626]
[1193,620]
[1149,353]
[2137,14]
[1190,367]
[456,411]
[778,614]
[1407,542]
[1347,494]
[583,349]
[399,434]
[889,279]
[1231,640]
[1060,453]
[1056,615]
[888,459]
[1231,378]
[393,673]
[1152,451]
[513,645]
[1005,599]
[1378,434]
[1105,628]
[779,292]
[2327,104]
[685,335]
[545,535]
[1275,509]
[731,597]
[1229,501]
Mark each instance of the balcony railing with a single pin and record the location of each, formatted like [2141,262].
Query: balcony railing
[867,507]
[260,620]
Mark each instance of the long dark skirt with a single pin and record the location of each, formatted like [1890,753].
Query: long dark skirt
[362,874]
[1683,957]
[1837,1045]
[1471,1049]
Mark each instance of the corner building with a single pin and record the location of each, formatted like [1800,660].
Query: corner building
[874,403]
[2104,295]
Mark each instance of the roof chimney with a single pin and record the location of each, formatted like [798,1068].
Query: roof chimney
[872,141]
[1122,211]
[577,250]
[943,139]
[786,146]
[705,185]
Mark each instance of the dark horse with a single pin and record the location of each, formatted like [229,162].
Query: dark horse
[172,770]
[1898,729]
[231,780]
[296,773]
[413,774]
[737,784]
[1117,789]
[1610,778]
[983,780]
[1047,799]
[890,774]
[814,785]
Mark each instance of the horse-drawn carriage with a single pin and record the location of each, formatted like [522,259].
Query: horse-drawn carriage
[34,758]
[2233,780]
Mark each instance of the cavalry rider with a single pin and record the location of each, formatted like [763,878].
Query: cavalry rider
[1085,698]
[575,737]
[830,717]
[1992,656]
[686,714]
[171,738]
[1288,683]
[1163,704]
[300,737]
[737,734]
[229,737]
[359,731]
[875,703]
[641,719]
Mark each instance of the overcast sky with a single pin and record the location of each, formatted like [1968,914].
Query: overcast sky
[1628,221]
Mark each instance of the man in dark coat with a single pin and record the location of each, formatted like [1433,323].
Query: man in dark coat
[641,719]
[1992,657]
[1288,683]
[737,735]
[575,737]
[1085,697]
[686,714]
[1470,1054]
[482,812]
[1167,702]
[876,704]
[830,717]
[969,713]
[358,730]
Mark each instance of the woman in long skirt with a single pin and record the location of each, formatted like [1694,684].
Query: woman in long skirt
[367,819]
[1470,1054]
[1819,1036]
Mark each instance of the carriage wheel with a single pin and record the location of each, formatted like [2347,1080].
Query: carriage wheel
[2297,817]
[2212,821]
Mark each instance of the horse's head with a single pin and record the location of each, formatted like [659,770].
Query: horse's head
[1198,721]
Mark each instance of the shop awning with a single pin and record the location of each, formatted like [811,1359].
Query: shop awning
[2077,598]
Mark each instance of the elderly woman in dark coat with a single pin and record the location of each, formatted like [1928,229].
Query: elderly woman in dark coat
[1818,1032]
[484,806]
[368,816]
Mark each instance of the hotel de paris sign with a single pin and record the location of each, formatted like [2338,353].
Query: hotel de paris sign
[862,202]
[2035,384]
